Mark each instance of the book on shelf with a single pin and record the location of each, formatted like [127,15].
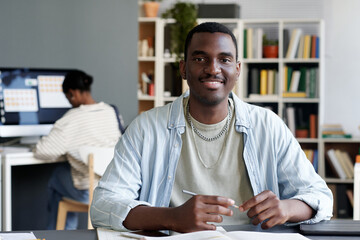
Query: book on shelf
[313,85]
[307,45]
[332,188]
[332,128]
[317,51]
[336,135]
[313,46]
[249,44]
[290,116]
[312,156]
[286,38]
[316,160]
[288,78]
[349,162]
[334,131]
[245,43]
[271,81]
[263,81]
[350,195]
[294,43]
[344,209]
[285,79]
[258,43]
[254,80]
[302,81]
[300,50]
[294,94]
[349,174]
[295,79]
[313,123]
[335,164]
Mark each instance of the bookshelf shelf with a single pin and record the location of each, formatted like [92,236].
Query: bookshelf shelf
[146,59]
[336,180]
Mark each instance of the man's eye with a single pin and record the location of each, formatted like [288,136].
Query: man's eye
[199,59]
[225,60]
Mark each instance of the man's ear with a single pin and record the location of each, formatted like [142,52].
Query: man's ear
[182,69]
[72,93]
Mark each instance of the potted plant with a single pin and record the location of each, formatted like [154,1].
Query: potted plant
[151,7]
[270,47]
[185,16]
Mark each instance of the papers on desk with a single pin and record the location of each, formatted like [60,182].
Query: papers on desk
[105,234]
[10,149]
[17,236]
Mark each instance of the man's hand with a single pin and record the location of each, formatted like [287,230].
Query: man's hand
[195,214]
[267,206]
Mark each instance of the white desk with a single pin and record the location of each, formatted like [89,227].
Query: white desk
[9,160]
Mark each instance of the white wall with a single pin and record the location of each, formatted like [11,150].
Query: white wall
[342,21]
[342,83]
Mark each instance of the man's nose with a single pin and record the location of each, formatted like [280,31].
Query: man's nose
[213,67]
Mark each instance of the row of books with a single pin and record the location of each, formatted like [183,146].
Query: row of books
[333,131]
[300,45]
[299,125]
[263,82]
[302,82]
[253,41]
[343,200]
[341,164]
[312,155]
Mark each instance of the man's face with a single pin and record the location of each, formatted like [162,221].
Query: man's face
[210,69]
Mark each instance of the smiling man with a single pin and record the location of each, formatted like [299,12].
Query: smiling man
[209,142]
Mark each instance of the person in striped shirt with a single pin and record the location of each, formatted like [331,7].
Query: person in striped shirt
[88,123]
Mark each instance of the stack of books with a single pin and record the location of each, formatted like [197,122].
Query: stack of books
[340,163]
[334,131]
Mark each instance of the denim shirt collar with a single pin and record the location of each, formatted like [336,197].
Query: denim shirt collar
[176,117]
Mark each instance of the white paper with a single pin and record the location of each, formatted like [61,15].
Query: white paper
[105,234]
[17,236]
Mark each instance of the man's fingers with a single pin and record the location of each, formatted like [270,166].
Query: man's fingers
[217,209]
[254,201]
[216,200]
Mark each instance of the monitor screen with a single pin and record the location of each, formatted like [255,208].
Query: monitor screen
[31,100]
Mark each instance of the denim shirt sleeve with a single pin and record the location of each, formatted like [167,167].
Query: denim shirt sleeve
[298,179]
[142,170]
[276,162]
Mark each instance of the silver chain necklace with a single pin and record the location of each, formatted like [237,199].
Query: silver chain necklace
[209,139]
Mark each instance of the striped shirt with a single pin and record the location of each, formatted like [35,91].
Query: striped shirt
[87,125]
[143,169]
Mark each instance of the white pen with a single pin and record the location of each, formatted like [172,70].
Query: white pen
[132,235]
[194,194]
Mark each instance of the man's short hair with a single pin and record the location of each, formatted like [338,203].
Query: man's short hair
[210,27]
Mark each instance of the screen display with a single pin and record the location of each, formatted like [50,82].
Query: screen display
[31,96]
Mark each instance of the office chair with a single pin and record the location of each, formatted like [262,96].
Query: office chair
[69,205]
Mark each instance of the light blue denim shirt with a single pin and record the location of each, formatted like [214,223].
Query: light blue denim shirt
[146,156]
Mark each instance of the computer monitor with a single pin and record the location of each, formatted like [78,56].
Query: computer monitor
[31,100]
